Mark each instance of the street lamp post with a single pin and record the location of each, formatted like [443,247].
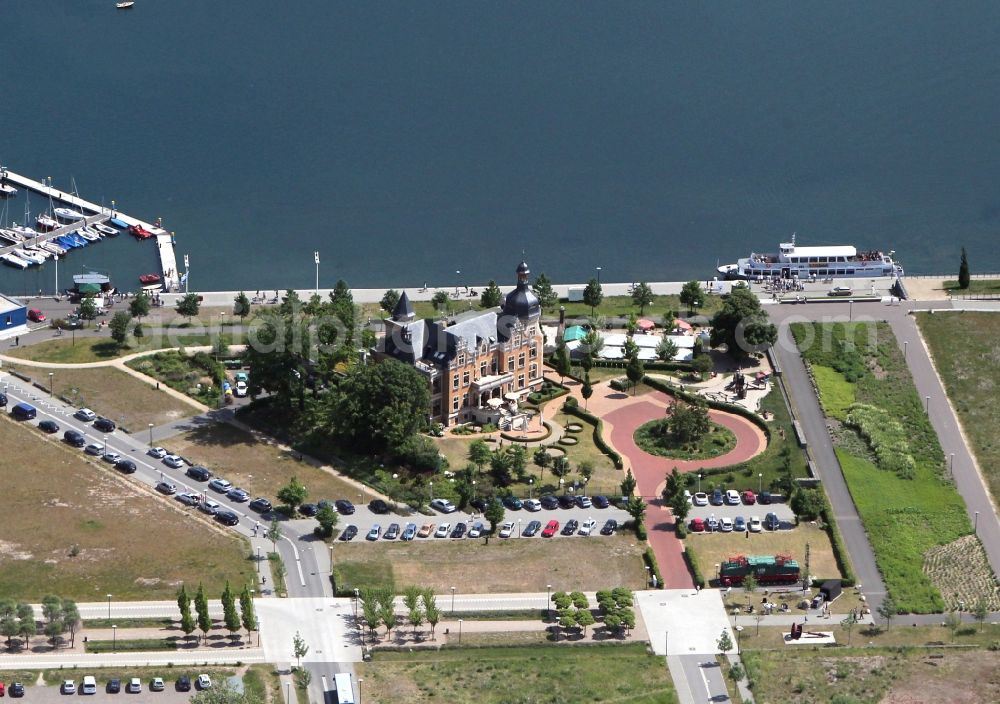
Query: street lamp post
[548,600]
[951,464]
[648,576]
[850,312]
[760,482]
[431,485]
[288,692]
[150,434]
[56,260]
[739,630]
[975,528]
[357,596]
[105,444]
[699,482]
[666,643]
[927,404]
[518,527]
[316,258]
[905,343]
[50,383]
[109,607]
[453,600]
[187,272]
[459,631]
[598,276]
[473,489]
[114,638]
[531,485]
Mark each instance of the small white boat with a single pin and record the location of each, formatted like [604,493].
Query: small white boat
[46,223]
[11,259]
[104,229]
[125,4]
[26,232]
[7,191]
[90,231]
[50,247]
[68,214]
[12,235]
[31,257]
[89,236]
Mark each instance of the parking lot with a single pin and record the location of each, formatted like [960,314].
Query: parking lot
[52,694]
[782,510]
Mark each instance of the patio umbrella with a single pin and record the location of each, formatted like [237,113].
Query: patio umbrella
[645,324]
[681,324]
[574,332]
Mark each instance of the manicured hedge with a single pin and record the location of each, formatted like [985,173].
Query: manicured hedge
[572,408]
[692,563]
[839,549]
[649,557]
[666,388]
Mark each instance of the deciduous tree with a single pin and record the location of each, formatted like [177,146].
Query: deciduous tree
[547,297]
[742,325]
[241,305]
[119,327]
[139,305]
[692,295]
[642,296]
[593,295]
[230,615]
[293,494]
[389,300]
[666,350]
[299,648]
[188,305]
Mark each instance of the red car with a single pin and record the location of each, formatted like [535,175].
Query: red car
[551,528]
[36,316]
[748,498]
[697,525]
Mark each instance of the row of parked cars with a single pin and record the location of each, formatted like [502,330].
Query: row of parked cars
[88,685]
[735,525]
[731,497]
[548,502]
[477,529]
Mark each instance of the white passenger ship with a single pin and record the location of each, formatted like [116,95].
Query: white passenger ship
[795,262]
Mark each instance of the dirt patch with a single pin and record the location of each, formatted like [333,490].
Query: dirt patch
[962,574]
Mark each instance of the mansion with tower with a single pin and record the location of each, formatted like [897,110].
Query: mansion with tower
[479,363]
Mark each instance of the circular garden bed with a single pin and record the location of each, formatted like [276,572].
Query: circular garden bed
[566,440]
[652,438]
[574,428]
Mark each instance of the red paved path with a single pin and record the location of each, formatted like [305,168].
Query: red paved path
[650,474]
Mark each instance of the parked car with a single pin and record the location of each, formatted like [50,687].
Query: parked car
[3,400]
[125,466]
[587,526]
[157,452]
[350,533]
[531,529]
[189,498]
[16,689]
[204,682]
[88,685]
[772,522]
[459,530]
[111,457]
[166,488]
[549,502]
[200,474]
[183,684]
[570,527]
[74,438]
[425,530]
[134,686]
[86,415]
[23,411]
[344,507]
[507,529]
[610,526]
[513,503]
[392,532]
[697,525]
[567,501]
[712,523]
[739,524]
[551,528]
[238,495]
[48,426]
[220,485]
[726,524]
[374,532]
[700,499]
[378,506]
[175,462]
[114,686]
[241,389]
[68,687]
[308,510]
[260,505]
[156,685]
[443,505]
[95,448]
[749,498]
[764,497]
[36,316]
[601,501]
[479,504]
[210,507]
[717,498]
[477,529]
[584,502]
[532,505]
[754,525]
[442,530]
[409,532]
[105,425]
[227,518]
[733,497]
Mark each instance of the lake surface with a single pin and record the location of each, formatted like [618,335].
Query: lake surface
[408,140]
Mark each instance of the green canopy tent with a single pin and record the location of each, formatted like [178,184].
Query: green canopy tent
[574,332]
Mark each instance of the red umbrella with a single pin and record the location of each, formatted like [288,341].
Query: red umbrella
[682,324]
[645,324]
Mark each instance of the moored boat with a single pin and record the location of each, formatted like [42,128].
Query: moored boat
[147,279]
[141,232]
[32,256]
[11,259]
[118,222]
[104,229]
[803,263]
[125,4]
[7,191]
[46,223]
[89,236]
[68,214]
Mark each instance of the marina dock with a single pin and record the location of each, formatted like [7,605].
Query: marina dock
[97,214]
[58,232]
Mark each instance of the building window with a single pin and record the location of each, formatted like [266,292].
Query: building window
[454,404]
[454,382]
[520,361]
[534,351]
[482,369]
[520,381]
[461,360]
[436,386]
[465,378]
[510,363]
[494,366]
[533,371]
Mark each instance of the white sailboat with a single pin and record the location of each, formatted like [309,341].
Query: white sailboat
[7,191]
[11,259]
[69,214]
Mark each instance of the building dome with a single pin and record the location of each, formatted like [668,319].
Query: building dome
[522,301]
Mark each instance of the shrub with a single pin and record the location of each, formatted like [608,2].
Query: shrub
[692,563]
[649,557]
[886,437]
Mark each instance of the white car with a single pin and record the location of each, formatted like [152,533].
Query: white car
[687,495]
[507,529]
[241,389]
[442,530]
[86,415]
[374,532]
[95,449]
[210,507]
[173,461]
[587,527]
[134,686]
[726,524]
[204,682]
[111,457]
[700,499]
[443,505]
[532,505]
[476,530]
[68,687]
[754,525]
[733,497]
[157,452]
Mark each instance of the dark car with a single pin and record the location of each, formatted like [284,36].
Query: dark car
[16,689]
[764,497]
[3,399]
[392,532]
[125,466]
[772,522]
[378,506]
[183,684]
[549,501]
[308,510]
[601,501]
[567,501]
[513,503]
[114,686]
[260,505]
[458,531]
[610,526]
[344,507]
[572,525]
[48,426]
[717,498]
[479,504]
[200,474]
[74,438]
[227,518]
[349,533]
[105,425]
[531,529]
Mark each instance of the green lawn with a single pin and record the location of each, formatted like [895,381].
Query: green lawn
[623,674]
[904,518]
[835,392]
[650,438]
[971,377]
[975,286]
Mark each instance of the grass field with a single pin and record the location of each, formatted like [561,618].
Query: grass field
[975,286]
[129,542]
[904,518]
[713,548]
[623,674]
[971,377]
[599,562]
[259,467]
[97,349]
[835,392]
[889,676]
[650,438]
